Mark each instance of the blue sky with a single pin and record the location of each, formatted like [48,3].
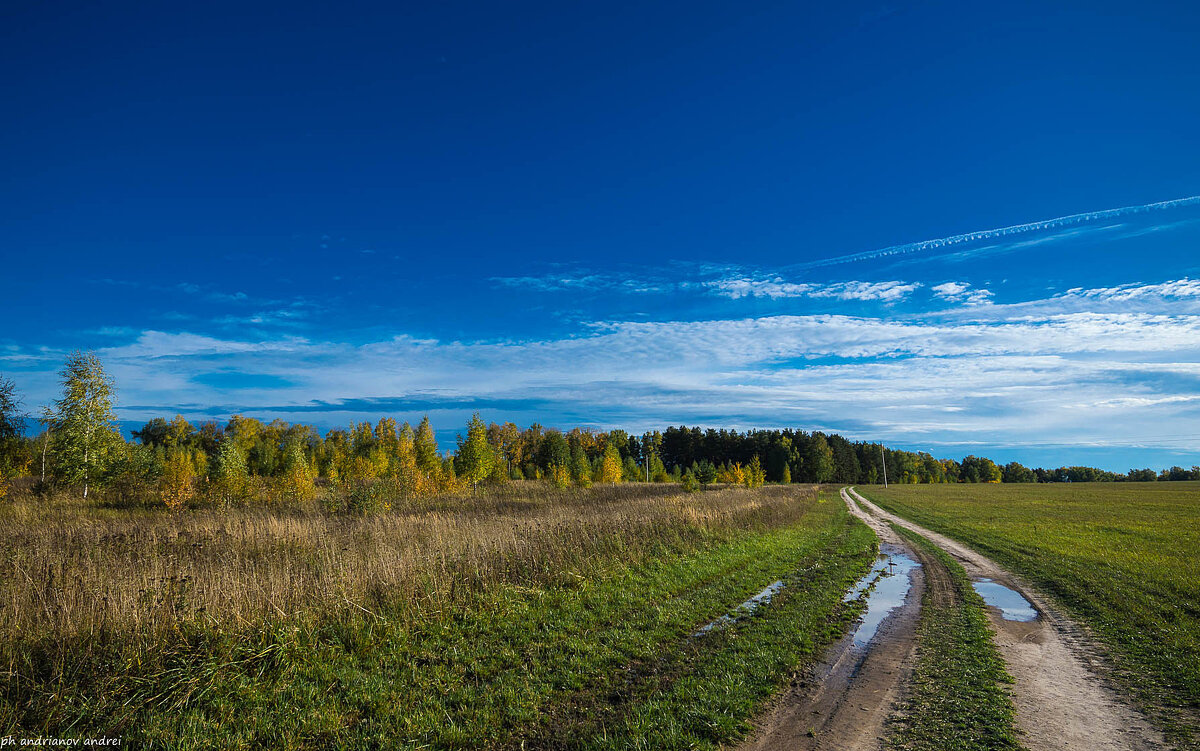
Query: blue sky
[615,214]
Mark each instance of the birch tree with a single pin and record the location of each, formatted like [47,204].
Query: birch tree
[82,421]
[610,465]
[475,455]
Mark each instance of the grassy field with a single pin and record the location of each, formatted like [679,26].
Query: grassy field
[958,698]
[523,617]
[1122,558]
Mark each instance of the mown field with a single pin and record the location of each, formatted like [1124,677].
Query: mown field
[522,617]
[1120,557]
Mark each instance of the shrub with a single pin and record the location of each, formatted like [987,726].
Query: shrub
[560,477]
[689,482]
[366,498]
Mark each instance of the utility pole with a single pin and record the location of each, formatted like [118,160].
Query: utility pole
[883,459]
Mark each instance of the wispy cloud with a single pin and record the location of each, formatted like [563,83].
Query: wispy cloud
[1178,289]
[998,233]
[732,282]
[776,288]
[586,282]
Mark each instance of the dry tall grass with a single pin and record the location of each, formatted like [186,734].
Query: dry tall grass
[76,570]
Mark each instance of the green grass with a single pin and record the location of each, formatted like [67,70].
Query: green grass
[959,699]
[602,658]
[1121,558]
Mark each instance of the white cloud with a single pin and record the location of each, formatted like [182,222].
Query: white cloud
[1127,375]
[776,288]
[962,292]
[1086,367]
[884,291]
[1178,289]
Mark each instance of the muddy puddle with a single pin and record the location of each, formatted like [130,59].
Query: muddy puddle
[885,586]
[745,610]
[1011,604]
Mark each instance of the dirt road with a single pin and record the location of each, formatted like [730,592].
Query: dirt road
[846,700]
[1061,702]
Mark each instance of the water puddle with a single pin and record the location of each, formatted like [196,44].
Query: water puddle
[745,610]
[886,586]
[1012,605]
[863,584]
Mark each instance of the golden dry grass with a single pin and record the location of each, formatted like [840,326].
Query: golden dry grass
[78,570]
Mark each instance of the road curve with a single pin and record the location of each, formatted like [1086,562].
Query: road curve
[1062,704]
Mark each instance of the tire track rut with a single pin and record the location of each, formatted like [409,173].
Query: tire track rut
[846,700]
[1062,702]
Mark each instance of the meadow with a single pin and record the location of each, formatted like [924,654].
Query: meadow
[523,616]
[1120,557]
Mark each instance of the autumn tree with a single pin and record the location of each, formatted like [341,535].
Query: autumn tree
[244,430]
[475,455]
[511,446]
[581,468]
[730,474]
[610,464]
[652,465]
[755,476]
[296,483]
[176,486]
[231,480]
[554,457]
[386,437]
[429,461]
[82,422]
[404,467]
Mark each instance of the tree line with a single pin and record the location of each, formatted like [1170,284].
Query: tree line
[369,466]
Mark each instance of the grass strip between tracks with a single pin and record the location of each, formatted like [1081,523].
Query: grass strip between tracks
[960,697]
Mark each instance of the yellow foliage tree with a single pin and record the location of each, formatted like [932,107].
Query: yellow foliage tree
[177,484]
[610,466]
[736,474]
[404,464]
[297,483]
[755,476]
[429,461]
[725,475]
[560,476]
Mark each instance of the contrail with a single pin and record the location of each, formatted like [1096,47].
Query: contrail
[991,234]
